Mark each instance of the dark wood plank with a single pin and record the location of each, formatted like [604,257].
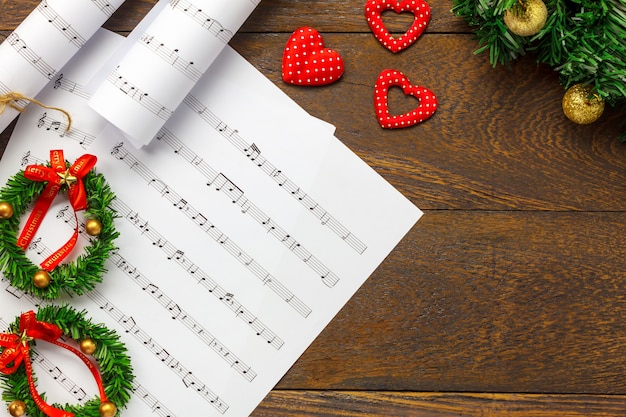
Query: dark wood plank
[485,301]
[375,404]
[270,16]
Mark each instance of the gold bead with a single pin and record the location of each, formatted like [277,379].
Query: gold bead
[581,106]
[17,408]
[93,227]
[41,279]
[107,409]
[6,210]
[87,346]
[526,18]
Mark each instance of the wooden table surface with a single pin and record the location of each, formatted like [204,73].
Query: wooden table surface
[507,297]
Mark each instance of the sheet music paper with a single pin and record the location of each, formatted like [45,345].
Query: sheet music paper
[162,65]
[245,227]
[44,42]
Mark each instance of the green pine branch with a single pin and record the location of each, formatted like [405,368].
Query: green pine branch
[111,355]
[583,40]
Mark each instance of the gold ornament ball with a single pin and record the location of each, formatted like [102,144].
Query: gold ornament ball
[41,279]
[107,409]
[17,408]
[526,18]
[87,346]
[93,227]
[581,106]
[6,210]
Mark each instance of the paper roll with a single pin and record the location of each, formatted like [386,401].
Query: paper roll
[44,42]
[161,65]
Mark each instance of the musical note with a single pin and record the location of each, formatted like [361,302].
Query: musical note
[228,244]
[62,83]
[253,154]
[208,23]
[159,352]
[178,255]
[30,56]
[59,23]
[236,195]
[139,96]
[200,276]
[105,6]
[171,57]
[151,401]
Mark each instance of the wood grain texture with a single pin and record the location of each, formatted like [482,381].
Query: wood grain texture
[508,296]
[375,404]
[486,302]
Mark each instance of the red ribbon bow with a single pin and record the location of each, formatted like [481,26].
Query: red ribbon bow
[17,352]
[57,175]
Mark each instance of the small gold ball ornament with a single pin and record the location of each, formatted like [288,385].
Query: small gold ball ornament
[107,409]
[17,408]
[526,17]
[87,346]
[6,210]
[581,106]
[41,279]
[93,227]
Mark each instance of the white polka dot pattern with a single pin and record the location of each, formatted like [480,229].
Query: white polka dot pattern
[307,62]
[421,14]
[392,78]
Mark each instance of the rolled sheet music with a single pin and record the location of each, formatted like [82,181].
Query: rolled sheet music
[161,65]
[44,42]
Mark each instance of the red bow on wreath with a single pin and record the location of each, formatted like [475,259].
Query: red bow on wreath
[17,352]
[57,176]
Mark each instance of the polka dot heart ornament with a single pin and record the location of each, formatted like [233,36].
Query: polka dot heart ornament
[307,62]
[421,13]
[392,78]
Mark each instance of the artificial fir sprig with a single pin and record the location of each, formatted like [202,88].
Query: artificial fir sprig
[111,355]
[583,40]
[74,278]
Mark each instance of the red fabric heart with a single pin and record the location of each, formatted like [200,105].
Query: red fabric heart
[307,62]
[421,14]
[425,109]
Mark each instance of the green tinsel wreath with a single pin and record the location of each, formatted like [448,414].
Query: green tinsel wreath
[111,354]
[70,278]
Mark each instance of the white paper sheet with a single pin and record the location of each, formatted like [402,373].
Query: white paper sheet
[245,227]
[162,65]
[44,42]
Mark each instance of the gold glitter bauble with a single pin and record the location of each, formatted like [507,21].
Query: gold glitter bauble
[107,409]
[41,279]
[526,18]
[93,227]
[581,106]
[17,408]
[87,346]
[6,210]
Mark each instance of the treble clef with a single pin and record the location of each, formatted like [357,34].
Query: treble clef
[42,120]
[116,151]
[57,82]
[25,158]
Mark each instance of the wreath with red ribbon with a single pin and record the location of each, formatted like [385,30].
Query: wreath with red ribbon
[87,191]
[98,346]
